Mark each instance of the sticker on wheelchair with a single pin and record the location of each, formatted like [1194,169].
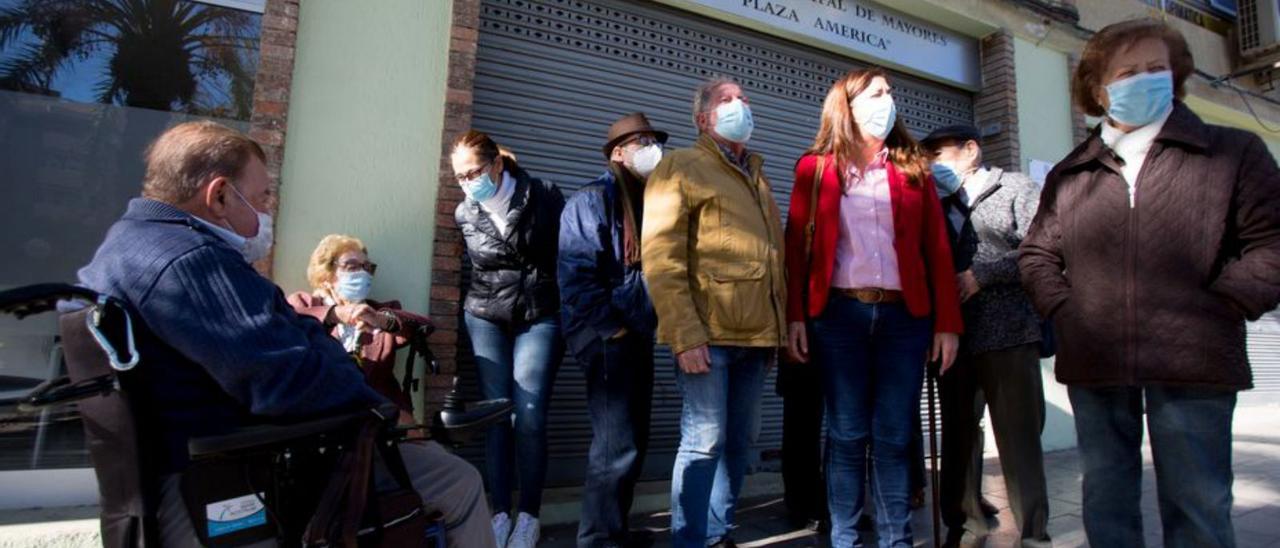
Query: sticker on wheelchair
[236,514]
[224,510]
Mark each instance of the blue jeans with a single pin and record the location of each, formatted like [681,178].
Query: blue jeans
[517,361]
[619,397]
[718,423]
[873,359]
[1191,446]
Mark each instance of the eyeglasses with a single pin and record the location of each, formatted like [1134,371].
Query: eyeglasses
[642,141]
[354,266]
[461,177]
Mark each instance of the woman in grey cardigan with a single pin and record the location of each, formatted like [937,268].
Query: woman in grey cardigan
[989,211]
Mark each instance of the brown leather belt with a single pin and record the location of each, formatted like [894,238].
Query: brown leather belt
[870,295]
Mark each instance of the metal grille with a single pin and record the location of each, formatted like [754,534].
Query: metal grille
[1264,358]
[1247,25]
[551,75]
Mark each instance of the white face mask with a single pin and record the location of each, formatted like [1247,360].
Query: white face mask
[644,160]
[258,246]
[875,116]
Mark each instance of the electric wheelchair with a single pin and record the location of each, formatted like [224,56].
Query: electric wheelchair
[307,483]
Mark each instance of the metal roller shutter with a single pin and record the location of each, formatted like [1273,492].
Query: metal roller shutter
[1264,358]
[551,75]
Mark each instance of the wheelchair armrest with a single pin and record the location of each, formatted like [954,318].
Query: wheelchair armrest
[62,391]
[34,299]
[252,437]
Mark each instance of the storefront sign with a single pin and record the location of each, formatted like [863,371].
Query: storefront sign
[868,30]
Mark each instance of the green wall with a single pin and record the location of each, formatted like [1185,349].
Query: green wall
[1044,133]
[363,145]
[1044,102]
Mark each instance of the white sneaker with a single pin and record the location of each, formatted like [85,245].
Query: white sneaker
[502,528]
[526,533]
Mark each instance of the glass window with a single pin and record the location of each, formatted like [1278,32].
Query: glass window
[85,85]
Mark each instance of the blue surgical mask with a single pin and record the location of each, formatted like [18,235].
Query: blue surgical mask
[481,188]
[946,178]
[734,121]
[354,286]
[876,116]
[1141,99]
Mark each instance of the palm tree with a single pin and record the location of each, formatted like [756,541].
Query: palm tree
[161,54]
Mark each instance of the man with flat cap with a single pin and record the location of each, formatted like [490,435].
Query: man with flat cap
[989,211]
[609,323]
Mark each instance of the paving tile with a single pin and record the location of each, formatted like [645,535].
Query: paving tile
[1067,531]
[1058,508]
[1251,539]
[1256,512]
[1263,520]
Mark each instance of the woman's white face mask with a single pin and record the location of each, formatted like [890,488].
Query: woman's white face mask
[875,115]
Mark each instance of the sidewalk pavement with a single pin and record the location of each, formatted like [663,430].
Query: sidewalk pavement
[1256,512]
[763,520]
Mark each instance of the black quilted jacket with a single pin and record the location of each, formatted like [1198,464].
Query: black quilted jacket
[513,277]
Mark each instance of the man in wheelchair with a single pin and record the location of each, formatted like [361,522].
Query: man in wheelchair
[221,349]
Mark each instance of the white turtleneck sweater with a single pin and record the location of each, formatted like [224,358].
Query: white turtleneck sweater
[498,206]
[1133,147]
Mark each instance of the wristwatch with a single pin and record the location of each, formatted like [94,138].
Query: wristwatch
[391,322]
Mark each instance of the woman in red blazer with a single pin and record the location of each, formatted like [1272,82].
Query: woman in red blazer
[875,294]
[341,275]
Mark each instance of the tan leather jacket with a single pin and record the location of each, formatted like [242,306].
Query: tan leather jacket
[712,249]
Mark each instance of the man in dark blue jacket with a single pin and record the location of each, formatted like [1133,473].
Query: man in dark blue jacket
[220,346]
[609,323]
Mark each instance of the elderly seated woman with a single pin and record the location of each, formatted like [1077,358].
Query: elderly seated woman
[341,276]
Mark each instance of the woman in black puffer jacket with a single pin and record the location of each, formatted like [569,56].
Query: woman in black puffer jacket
[510,222]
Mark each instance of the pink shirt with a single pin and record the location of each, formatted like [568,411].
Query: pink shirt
[864,253]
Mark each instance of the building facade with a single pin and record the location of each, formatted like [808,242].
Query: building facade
[357,102]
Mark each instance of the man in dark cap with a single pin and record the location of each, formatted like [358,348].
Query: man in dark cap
[988,212]
[609,323]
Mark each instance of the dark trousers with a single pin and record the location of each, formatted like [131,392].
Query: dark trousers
[804,486]
[619,397]
[915,449]
[1009,382]
[1191,446]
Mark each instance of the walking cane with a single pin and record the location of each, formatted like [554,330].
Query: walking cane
[934,474]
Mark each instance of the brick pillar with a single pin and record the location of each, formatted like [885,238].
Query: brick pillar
[269,121]
[1079,127]
[446,263]
[996,106]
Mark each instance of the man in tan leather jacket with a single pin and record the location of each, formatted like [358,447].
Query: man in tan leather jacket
[712,257]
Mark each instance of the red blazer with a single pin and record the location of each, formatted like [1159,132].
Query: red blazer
[920,238]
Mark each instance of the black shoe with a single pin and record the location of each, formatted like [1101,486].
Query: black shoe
[640,538]
[988,509]
[725,542]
